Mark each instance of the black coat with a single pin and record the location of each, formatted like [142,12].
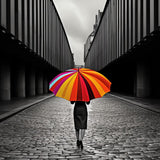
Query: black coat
[80,114]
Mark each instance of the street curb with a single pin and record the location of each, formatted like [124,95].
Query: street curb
[21,108]
[144,106]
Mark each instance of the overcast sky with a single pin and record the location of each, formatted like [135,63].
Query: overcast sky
[78,17]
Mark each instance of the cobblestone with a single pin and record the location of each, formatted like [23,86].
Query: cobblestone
[116,131]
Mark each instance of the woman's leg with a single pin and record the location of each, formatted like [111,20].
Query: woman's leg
[81,134]
[77,134]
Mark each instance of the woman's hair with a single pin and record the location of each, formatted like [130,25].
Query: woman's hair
[80,102]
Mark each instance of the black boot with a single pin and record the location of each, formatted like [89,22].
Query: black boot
[78,143]
[81,145]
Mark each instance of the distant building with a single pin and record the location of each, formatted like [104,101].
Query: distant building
[91,36]
[79,66]
[88,44]
[97,20]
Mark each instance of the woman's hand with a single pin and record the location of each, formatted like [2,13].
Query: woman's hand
[72,102]
[88,102]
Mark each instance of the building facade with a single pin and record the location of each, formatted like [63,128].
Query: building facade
[33,47]
[126,46]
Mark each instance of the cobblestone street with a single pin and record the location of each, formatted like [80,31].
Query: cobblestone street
[116,131]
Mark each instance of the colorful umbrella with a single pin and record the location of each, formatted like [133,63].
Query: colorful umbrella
[80,85]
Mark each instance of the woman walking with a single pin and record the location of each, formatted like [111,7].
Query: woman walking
[80,121]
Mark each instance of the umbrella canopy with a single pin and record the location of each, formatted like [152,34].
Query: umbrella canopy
[80,84]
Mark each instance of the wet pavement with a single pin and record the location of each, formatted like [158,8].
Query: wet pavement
[116,131]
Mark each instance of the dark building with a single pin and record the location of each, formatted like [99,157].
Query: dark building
[33,47]
[126,46]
